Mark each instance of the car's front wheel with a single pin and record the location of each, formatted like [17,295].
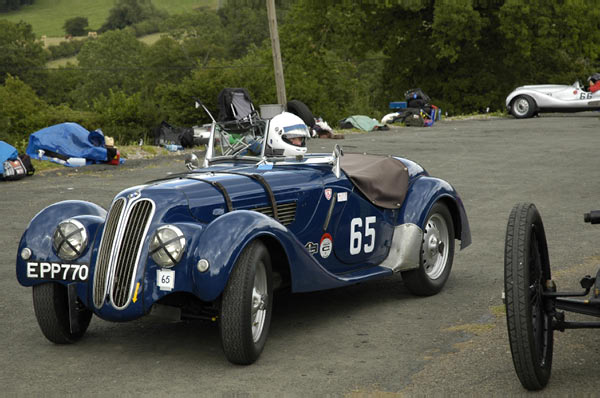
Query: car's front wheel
[437,253]
[523,107]
[51,306]
[246,305]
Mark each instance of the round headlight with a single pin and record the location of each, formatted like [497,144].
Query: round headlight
[167,246]
[70,239]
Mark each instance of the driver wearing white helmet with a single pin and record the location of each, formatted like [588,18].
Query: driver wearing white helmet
[287,135]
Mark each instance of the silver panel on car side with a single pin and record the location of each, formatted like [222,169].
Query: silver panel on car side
[405,251]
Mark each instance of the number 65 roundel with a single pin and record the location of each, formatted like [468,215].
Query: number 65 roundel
[360,229]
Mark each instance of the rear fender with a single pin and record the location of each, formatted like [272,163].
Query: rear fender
[423,194]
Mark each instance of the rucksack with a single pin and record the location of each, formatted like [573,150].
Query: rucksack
[414,120]
[26,160]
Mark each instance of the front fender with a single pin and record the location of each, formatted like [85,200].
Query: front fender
[222,243]
[38,237]
[226,237]
[423,194]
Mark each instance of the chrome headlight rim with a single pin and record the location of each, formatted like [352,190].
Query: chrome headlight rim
[159,246]
[62,240]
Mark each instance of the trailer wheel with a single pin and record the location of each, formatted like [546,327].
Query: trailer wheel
[526,271]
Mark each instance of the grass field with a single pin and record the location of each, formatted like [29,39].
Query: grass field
[47,17]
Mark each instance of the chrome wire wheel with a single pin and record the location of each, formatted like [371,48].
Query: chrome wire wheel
[435,246]
[260,298]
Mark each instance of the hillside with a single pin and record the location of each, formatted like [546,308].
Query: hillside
[47,17]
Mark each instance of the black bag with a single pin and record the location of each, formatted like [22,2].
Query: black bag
[416,98]
[186,138]
[166,134]
[14,170]
[27,163]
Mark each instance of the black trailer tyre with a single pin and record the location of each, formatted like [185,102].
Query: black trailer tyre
[247,305]
[301,110]
[437,254]
[526,270]
[51,307]
[523,106]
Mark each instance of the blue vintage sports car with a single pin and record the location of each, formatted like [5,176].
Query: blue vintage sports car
[215,242]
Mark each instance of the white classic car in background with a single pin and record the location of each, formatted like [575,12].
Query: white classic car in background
[528,101]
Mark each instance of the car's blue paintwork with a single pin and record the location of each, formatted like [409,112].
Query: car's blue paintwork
[219,236]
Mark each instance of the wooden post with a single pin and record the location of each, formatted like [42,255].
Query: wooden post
[277,64]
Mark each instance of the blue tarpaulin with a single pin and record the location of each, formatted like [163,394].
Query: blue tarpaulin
[67,140]
[7,152]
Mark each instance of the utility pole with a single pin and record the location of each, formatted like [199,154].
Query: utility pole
[277,64]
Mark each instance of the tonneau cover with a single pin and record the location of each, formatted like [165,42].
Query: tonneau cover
[382,179]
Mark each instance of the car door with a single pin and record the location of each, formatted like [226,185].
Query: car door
[362,233]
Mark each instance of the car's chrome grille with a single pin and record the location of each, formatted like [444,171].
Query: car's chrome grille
[129,250]
[285,211]
[103,261]
[126,226]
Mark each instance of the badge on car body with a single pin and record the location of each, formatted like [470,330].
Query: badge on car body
[325,245]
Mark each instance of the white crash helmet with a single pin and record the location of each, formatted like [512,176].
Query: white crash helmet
[284,129]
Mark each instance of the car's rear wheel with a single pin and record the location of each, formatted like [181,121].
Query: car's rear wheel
[437,253]
[51,307]
[247,305]
[523,106]
[526,271]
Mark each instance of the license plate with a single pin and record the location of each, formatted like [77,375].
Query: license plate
[58,271]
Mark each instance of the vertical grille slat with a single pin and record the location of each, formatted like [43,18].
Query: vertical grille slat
[103,261]
[130,245]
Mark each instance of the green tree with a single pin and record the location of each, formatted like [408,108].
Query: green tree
[76,26]
[244,27]
[22,112]
[113,61]
[129,12]
[127,118]
[201,34]
[12,5]
[22,55]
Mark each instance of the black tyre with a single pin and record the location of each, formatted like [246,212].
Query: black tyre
[51,306]
[247,306]
[300,109]
[526,270]
[437,253]
[523,106]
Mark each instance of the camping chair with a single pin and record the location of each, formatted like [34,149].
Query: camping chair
[235,105]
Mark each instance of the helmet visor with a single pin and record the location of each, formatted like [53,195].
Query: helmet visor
[295,135]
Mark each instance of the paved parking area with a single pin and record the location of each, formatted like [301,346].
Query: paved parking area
[370,339]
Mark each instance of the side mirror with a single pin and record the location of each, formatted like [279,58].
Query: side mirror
[337,155]
[191,161]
